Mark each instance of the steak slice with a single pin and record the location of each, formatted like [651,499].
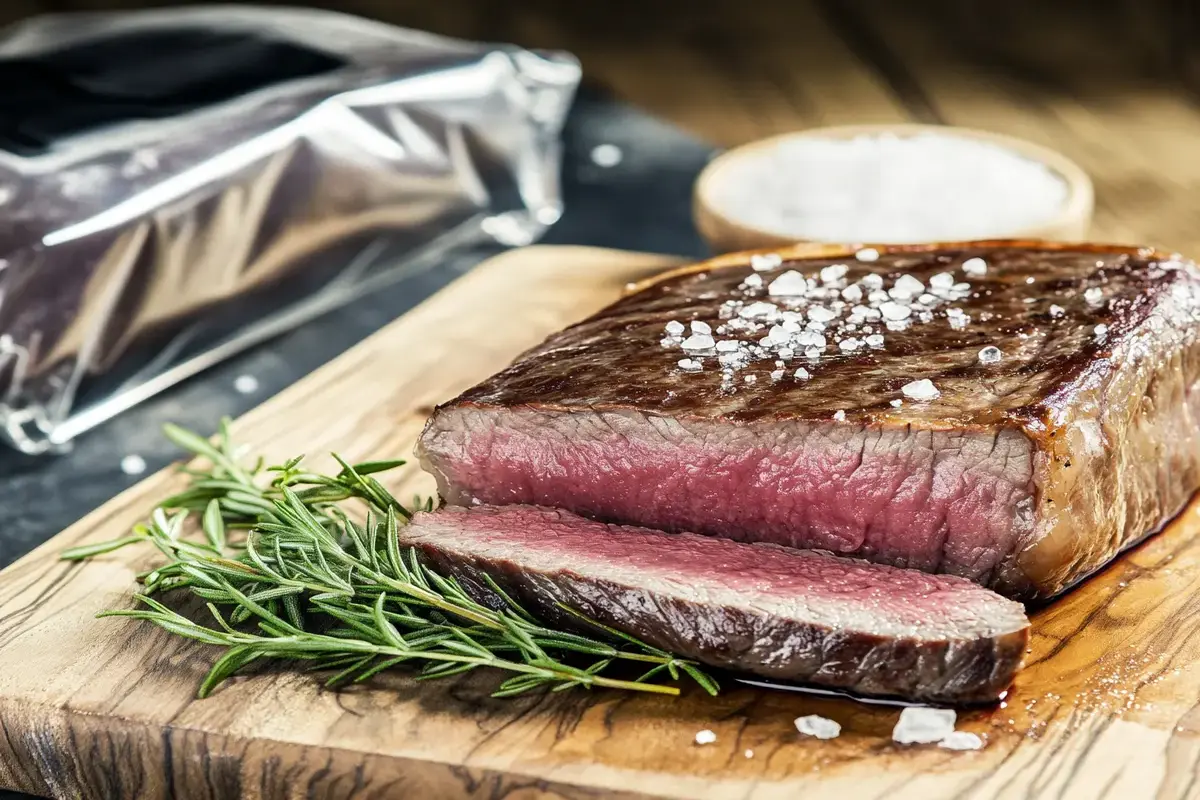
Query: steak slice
[819,431]
[787,614]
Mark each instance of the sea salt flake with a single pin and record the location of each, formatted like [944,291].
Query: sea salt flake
[751,379]
[897,403]
[924,725]
[895,311]
[906,287]
[675,327]
[875,340]
[802,374]
[849,345]
[975,267]
[961,740]
[765,261]
[1057,311]
[927,300]
[1094,296]
[776,374]
[872,281]
[728,346]
[925,316]
[791,326]
[705,737]
[878,296]
[813,353]
[943,280]
[752,282]
[852,294]
[962,287]
[1030,279]
[670,341]
[867,254]
[821,314]
[759,310]
[1100,331]
[839,415]
[788,284]
[990,355]
[920,390]
[700,327]
[834,273]
[699,342]
[810,339]
[691,364]
[817,726]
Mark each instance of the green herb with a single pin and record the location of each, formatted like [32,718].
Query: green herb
[287,574]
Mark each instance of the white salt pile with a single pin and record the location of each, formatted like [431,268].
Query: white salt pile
[887,188]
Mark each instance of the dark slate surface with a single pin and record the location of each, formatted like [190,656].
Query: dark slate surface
[642,203]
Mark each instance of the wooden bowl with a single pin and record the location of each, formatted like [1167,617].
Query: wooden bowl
[726,235]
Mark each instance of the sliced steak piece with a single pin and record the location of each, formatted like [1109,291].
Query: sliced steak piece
[1024,470]
[786,614]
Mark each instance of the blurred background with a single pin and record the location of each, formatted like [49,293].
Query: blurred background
[1114,84]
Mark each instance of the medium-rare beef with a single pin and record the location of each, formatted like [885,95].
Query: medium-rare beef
[1014,413]
[777,612]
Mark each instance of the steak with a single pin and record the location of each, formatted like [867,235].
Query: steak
[781,613]
[1015,413]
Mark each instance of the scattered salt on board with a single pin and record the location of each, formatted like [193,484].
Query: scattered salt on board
[818,727]
[924,725]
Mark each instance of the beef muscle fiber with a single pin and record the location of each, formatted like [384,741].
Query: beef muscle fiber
[773,611]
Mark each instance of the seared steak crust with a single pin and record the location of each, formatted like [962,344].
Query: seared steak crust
[776,612]
[1024,475]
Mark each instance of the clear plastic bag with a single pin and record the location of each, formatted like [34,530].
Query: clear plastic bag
[176,186]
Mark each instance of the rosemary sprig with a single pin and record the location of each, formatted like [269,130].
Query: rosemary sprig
[287,574]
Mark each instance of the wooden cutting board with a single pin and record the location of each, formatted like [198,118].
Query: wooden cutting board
[1109,703]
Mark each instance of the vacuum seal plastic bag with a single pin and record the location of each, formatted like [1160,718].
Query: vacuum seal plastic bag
[178,185]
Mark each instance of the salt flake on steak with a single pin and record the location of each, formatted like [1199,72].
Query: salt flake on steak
[920,390]
[790,283]
[818,727]
[924,725]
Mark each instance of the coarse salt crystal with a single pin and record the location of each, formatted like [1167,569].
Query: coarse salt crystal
[761,261]
[818,727]
[788,284]
[1030,279]
[920,390]
[728,346]
[705,737]
[751,379]
[821,314]
[943,280]
[990,355]
[1100,331]
[928,300]
[752,282]
[852,294]
[961,740]
[786,352]
[839,415]
[867,254]
[906,287]
[872,281]
[675,327]
[810,339]
[759,310]
[1094,296]
[700,327]
[699,342]
[690,364]
[802,374]
[834,273]
[975,267]
[875,340]
[849,345]
[791,326]
[776,374]
[813,353]
[897,403]
[924,725]
[895,311]
[749,754]
[1057,311]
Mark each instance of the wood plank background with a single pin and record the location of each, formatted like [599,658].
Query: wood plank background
[1114,84]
